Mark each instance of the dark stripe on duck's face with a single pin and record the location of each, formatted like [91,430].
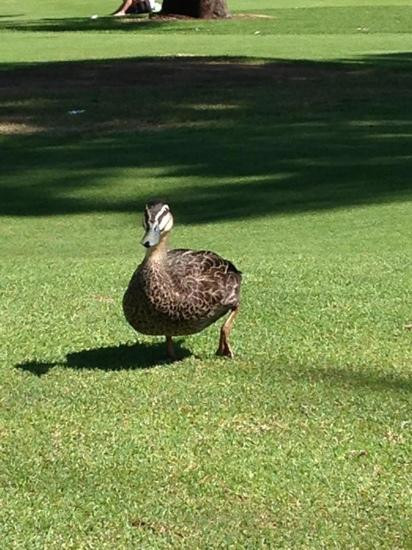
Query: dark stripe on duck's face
[155,212]
[162,214]
[146,219]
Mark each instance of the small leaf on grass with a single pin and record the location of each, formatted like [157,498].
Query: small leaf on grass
[357,453]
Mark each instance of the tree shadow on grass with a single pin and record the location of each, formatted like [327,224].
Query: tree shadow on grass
[81,24]
[9,16]
[111,358]
[220,138]
[350,378]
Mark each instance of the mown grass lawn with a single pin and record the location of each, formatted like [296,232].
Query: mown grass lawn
[281,142]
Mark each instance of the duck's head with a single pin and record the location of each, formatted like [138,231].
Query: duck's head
[157,222]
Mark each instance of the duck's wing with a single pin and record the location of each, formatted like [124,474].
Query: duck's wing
[199,262]
[205,273]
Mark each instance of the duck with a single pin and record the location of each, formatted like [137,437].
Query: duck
[180,291]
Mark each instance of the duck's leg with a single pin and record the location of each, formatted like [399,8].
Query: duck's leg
[224,346]
[170,348]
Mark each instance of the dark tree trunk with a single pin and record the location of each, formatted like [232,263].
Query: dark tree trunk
[204,9]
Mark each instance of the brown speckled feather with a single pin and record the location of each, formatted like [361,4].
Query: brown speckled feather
[183,294]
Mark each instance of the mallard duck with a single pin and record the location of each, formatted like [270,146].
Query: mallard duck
[179,292]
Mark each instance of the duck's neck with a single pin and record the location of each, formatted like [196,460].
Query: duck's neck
[157,253]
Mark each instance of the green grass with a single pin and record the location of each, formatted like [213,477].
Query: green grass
[306,29]
[288,152]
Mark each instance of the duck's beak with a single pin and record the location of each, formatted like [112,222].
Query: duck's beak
[151,238]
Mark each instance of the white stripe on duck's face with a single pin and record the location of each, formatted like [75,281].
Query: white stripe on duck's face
[157,220]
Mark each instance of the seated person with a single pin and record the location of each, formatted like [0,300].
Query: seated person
[136,6]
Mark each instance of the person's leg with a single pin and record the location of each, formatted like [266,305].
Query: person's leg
[121,10]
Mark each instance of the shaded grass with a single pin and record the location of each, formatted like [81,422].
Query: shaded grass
[300,174]
[325,136]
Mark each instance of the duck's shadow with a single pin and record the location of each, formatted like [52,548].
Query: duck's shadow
[112,358]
